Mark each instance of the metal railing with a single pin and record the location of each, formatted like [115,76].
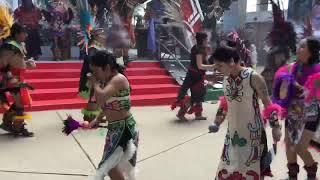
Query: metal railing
[176,44]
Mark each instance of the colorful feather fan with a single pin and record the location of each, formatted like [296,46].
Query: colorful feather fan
[6,21]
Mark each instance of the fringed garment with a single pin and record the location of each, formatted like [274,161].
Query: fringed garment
[120,149]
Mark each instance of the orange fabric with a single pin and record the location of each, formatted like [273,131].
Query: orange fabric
[25,97]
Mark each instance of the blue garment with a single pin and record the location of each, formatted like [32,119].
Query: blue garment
[152,36]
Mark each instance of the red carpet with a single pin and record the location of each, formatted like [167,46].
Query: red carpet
[56,85]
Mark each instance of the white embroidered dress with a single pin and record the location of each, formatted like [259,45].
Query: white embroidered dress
[243,146]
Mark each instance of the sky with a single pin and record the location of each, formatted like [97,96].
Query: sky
[252,5]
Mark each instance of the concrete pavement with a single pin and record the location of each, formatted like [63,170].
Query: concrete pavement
[169,149]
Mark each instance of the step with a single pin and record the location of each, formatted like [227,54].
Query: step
[154,89]
[72,103]
[74,73]
[52,94]
[52,73]
[153,99]
[145,71]
[78,103]
[54,83]
[152,79]
[74,82]
[143,64]
[63,93]
[59,65]
[78,64]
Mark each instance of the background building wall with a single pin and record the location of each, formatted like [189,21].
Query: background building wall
[236,16]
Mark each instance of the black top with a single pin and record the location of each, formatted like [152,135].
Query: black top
[196,50]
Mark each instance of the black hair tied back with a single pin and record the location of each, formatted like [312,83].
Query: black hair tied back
[103,59]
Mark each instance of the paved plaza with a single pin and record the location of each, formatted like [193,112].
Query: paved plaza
[168,150]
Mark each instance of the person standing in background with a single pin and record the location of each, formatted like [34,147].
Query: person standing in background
[29,16]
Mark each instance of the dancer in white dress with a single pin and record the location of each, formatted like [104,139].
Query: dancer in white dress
[246,142]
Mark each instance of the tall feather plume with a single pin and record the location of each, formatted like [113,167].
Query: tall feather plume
[86,22]
[282,33]
[6,21]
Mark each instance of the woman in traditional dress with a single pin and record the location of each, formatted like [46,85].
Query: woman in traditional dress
[246,143]
[302,118]
[59,16]
[112,92]
[194,80]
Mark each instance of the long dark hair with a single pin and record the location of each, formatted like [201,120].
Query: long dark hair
[200,37]
[314,48]
[103,59]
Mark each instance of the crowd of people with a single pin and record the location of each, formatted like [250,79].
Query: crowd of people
[245,150]
[103,83]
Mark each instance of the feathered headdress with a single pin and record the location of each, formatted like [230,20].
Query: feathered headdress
[238,37]
[282,33]
[88,27]
[6,21]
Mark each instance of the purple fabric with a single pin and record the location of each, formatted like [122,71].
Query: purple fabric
[276,92]
[306,72]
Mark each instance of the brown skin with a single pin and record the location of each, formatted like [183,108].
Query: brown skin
[115,83]
[301,149]
[201,59]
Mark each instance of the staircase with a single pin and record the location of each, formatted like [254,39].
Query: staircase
[56,85]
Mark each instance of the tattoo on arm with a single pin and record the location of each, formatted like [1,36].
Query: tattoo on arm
[260,86]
